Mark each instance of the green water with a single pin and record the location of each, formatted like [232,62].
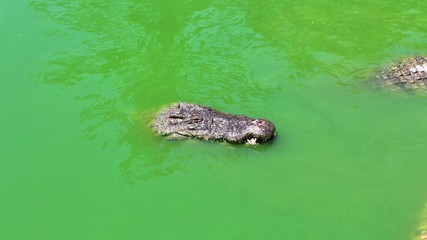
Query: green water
[80,80]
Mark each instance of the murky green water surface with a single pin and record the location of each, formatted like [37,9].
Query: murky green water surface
[80,80]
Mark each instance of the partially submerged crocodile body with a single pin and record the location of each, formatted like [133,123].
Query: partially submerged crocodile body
[407,73]
[421,233]
[185,120]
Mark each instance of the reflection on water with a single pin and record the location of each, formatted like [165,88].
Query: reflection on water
[116,68]
[133,56]
[223,55]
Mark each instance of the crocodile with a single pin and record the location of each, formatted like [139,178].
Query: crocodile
[421,233]
[185,120]
[407,73]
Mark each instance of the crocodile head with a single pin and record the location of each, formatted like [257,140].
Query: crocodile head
[259,131]
[184,120]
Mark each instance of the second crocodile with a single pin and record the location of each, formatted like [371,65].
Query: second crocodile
[407,73]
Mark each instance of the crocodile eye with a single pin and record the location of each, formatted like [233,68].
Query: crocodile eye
[176,116]
[196,119]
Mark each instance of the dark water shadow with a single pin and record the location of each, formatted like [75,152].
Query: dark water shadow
[123,50]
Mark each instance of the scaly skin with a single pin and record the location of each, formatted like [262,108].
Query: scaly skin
[185,120]
[407,73]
